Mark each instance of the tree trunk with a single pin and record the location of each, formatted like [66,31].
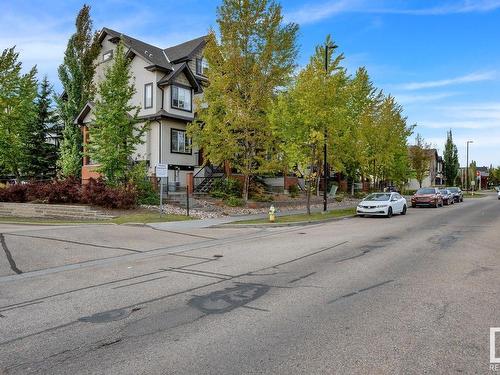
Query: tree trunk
[246,185]
[308,194]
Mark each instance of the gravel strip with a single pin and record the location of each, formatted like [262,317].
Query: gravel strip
[208,210]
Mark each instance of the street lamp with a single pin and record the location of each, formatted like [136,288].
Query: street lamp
[325,173]
[467,167]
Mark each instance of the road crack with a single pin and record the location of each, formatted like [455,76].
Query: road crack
[8,254]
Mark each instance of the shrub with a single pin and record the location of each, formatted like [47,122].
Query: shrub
[96,193]
[62,191]
[293,190]
[263,198]
[138,177]
[14,193]
[339,197]
[234,201]
[226,187]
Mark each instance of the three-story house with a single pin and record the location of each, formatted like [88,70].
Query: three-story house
[167,81]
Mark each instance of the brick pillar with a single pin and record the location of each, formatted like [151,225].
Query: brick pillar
[189,182]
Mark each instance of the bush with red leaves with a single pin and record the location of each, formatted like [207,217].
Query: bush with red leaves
[97,193]
[14,193]
[57,191]
[70,190]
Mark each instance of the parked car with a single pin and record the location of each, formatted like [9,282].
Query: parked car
[382,204]
[498,194]
[458,195]
[391,189]
[427,197]
[448,197]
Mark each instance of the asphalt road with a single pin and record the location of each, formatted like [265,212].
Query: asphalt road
[413,294]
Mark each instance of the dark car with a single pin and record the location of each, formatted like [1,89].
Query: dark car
[448,197]
[458,195]
[427,197]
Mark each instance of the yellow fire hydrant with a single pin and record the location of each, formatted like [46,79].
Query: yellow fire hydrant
[272,214]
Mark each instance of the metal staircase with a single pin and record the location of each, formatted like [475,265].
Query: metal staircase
[206,177]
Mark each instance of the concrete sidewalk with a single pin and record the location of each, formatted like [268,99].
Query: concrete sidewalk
[206,223]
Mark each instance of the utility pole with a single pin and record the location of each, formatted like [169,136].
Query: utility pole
[467,168]
[325,146]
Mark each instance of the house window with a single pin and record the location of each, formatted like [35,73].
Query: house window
[148,95]
[179,142]
[108,55]
[181,98]
[201,66]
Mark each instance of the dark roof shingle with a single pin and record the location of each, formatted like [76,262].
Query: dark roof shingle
[157,56]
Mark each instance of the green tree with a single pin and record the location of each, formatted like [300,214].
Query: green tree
[76,75]
[361,100]
[420,156]
[254,55]
[472,175]
[312,107]
[17,110]
[384,137]
[114,134]
[451,163]
[41,156]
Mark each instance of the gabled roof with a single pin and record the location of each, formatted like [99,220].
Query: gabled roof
[158,57]
[147,51]
[176,70]
[83,113]
[185,50]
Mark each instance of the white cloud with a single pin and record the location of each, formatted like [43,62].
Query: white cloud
[423,98]
[311,13]
[468,78]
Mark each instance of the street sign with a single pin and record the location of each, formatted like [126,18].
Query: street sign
[161,170]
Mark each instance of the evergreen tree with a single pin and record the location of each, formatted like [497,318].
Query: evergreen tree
[76,75]
[451,163]
[114,134]
[41,156]
[255,55]
[17,110]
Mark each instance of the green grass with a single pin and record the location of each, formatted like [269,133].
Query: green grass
[315,216]
[141,218]
[149,218]
[476,195]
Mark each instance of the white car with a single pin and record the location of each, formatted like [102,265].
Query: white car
[498,194]
[382,204]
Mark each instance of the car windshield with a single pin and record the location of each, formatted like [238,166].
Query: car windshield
[426,191]
[378,197]
[444,191]
[453,189]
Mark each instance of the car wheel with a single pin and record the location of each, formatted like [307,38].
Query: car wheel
[404,210]
[389,212]
[415,206]
[361,215]
[462,199]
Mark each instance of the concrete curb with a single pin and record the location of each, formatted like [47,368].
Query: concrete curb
[277,225]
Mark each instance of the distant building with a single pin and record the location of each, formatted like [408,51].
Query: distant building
[434,176]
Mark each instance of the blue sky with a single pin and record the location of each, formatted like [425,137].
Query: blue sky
[441,59]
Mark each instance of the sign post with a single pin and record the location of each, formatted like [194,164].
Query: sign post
[161,172]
